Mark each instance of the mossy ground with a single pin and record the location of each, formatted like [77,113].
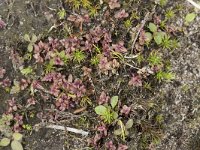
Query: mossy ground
[175,104]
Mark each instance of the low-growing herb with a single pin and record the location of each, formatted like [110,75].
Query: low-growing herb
[123,130]
[32,40]
[107,112]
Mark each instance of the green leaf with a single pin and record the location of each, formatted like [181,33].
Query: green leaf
[114,101]
[100,110]
[17,136]
[30,47]
[16,88]
[34,38]
[148,37]
[15,145]
[152,27]
[190,17]
[158,37]
[7,117]
[118,132]
[115,115]
[27,38]
[26,71]
[126,132]
[4,142]
[129,124]
[62,54]
[162,2]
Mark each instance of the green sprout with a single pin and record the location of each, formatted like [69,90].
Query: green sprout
[166,42]
[162,2]
[61,14]
[169,14]
[94,60]
[167,76]
[154,59]
[49,66]
[75,3]
[79,56]
[127,23]
[93,11]
[86,3]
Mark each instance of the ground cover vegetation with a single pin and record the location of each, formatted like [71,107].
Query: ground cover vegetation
[100,62]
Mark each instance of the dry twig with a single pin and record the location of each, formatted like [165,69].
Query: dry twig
[194,4]
[146,18]
[58,127]
[78,131]
[140,29]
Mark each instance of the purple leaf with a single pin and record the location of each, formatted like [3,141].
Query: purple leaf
[119,47]
[103,99]
[110,146]
[2,72]
[122,147]
[2,24]
[135,80]
[114,4]
[121,14]
[125,110]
